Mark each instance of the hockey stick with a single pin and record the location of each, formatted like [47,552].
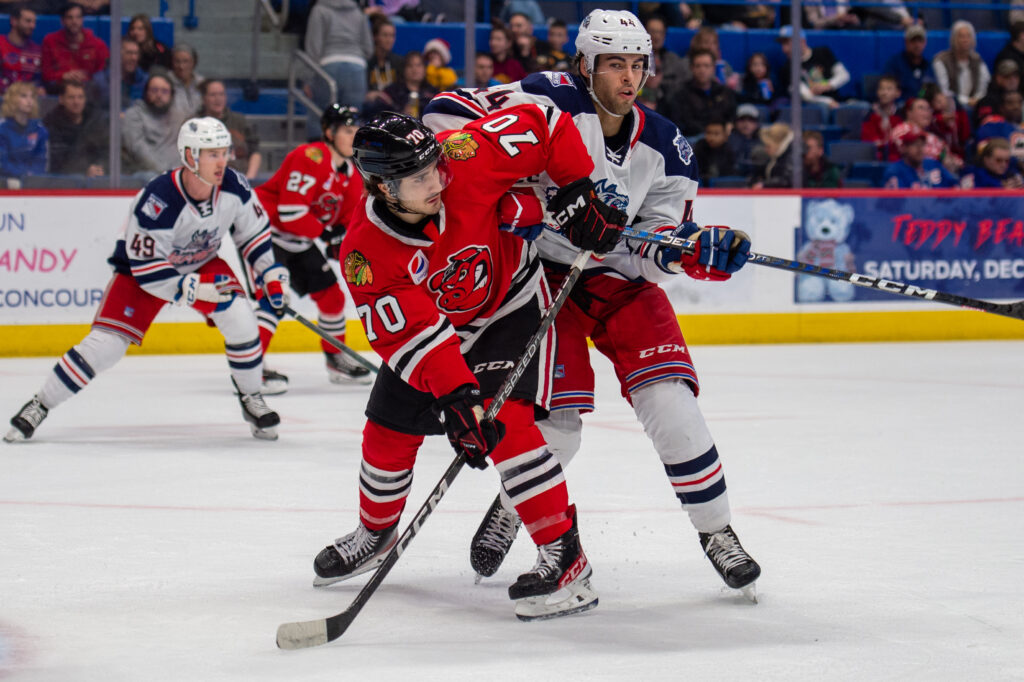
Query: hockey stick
[331,340]
[1014,310]
[302,635]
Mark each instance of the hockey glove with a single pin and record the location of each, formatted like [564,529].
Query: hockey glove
[332,237]
[520,212]
[207,293]
[462,412]
[275,281]
[589,223]
[720,252]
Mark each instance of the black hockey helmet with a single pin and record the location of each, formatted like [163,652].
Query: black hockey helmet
[393,146]
[338,114]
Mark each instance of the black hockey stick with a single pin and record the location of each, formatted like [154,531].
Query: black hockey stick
[302,635]
[331,340]
[1014,310]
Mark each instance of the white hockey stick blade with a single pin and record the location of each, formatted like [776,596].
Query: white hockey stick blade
[302,635]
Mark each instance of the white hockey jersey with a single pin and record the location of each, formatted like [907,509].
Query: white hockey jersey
[652,176]
[168,234]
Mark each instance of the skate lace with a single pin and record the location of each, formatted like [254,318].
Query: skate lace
[33,413]
[357,545]
[725,550]
[549,559]
[255,405]
[501,531]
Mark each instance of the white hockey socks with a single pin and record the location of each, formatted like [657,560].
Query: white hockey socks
[97,352]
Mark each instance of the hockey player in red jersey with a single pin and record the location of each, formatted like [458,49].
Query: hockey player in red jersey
[168,254]
[645,167]
[449,301]
[313,195]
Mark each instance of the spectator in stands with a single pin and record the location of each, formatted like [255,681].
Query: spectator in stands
[72,52]
[21,58]
[149,137]
[702,97]
[1005,123]
[822,74]
[949,121]
[384,65]
[133,78]
[399,11]
[835,15]
[187,98]
[1006,77]
[909,67]
[960,71]
[154,53]
[79,134]
[757,86]
[554,57]
[777,140]
[706,38]
[996,167]
[818,170]
[914,170]
[740,17]
[654,94]
[671,67]
[530,8]
[244,140]
[744,137]
[526,46]
[507,68]
[483,72]
[410,94]
[919,118]
[437,55]
[714,157]
[23,139]
[892,15]
[338,38]
[884,116]
[1014,48]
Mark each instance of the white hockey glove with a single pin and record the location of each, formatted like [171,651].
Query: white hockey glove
[207,293]
[275,285]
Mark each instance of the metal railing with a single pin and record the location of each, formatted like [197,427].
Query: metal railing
[297,93]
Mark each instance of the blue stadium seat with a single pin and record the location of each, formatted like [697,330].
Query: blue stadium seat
[848,152]
[849,117]
[811,115]
[872,171]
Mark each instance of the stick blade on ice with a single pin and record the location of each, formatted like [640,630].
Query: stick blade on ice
[302,635]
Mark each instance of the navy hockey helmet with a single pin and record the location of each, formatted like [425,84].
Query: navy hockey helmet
[338,114]
[393,146]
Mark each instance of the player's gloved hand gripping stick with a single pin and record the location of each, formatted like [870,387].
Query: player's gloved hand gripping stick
[681,243]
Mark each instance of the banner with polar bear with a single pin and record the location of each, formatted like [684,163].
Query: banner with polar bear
[959,244]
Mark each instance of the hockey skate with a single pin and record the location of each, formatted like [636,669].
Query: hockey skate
[493,540]
[28,419]
[559,583]
[737,568]
[262,420]
[343,370]
[274,383]
[358,552]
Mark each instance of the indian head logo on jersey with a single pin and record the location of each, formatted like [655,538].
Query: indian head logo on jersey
[460,147]
[357,269]
[466,282]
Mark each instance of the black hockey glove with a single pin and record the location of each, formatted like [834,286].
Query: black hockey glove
[585,220]
[462,413]
[332,237]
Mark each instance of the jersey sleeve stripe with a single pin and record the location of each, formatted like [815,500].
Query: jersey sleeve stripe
[290,212]
[256,247]
[455,105]
[405,360]
[153,271]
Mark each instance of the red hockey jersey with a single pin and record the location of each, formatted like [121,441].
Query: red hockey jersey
[306,194]
[423,290]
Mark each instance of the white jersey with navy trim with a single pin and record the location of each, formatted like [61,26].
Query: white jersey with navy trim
[653,178]
[168,234]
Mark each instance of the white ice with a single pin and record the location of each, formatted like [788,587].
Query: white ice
[145,535]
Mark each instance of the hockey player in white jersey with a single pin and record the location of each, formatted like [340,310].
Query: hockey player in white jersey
[645,167]
[168,254]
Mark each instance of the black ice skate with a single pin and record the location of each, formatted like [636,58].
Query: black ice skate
[358,552]
[274,383]
[26,421]
[737,568]
[343,370]
[559,583]
[262,420]
[493,539]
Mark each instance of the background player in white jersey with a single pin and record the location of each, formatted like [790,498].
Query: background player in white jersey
[168,254]
[645,167]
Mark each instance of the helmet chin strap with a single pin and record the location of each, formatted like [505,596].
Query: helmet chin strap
[589,80]
[195,171]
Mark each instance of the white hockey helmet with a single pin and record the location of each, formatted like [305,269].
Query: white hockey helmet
[606,31]
[201,133]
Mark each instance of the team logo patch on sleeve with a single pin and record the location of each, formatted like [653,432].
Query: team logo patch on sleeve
[357,269]
[684,148]
[560,79]
[153,207]
[314,154]
[460,147]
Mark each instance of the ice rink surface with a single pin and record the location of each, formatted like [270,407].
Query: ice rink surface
[145,535]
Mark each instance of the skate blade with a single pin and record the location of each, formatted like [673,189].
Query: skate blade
[340,379]
[574,598]
[369,566]
[14,436]
[750,592]
[269,433]
[477,578]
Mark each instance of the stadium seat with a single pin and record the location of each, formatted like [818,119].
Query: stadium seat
[810,115]
[848,152]
[869,85]
[849,116]
[872,171]
[857,183]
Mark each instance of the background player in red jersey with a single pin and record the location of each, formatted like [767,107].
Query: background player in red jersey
[450,302]
[313,195]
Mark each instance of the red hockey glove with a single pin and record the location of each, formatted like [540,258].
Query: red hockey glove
[520,212]
[462,413]
[207,293]
[589,223]
[720,252]
[332,237]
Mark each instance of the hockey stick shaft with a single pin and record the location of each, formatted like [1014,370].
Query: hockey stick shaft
[305,322]
[1014,310]
[302,635]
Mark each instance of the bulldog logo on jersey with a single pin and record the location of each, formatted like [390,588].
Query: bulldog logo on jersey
[326,208]
[466,282]
[357,269]
[460,147]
